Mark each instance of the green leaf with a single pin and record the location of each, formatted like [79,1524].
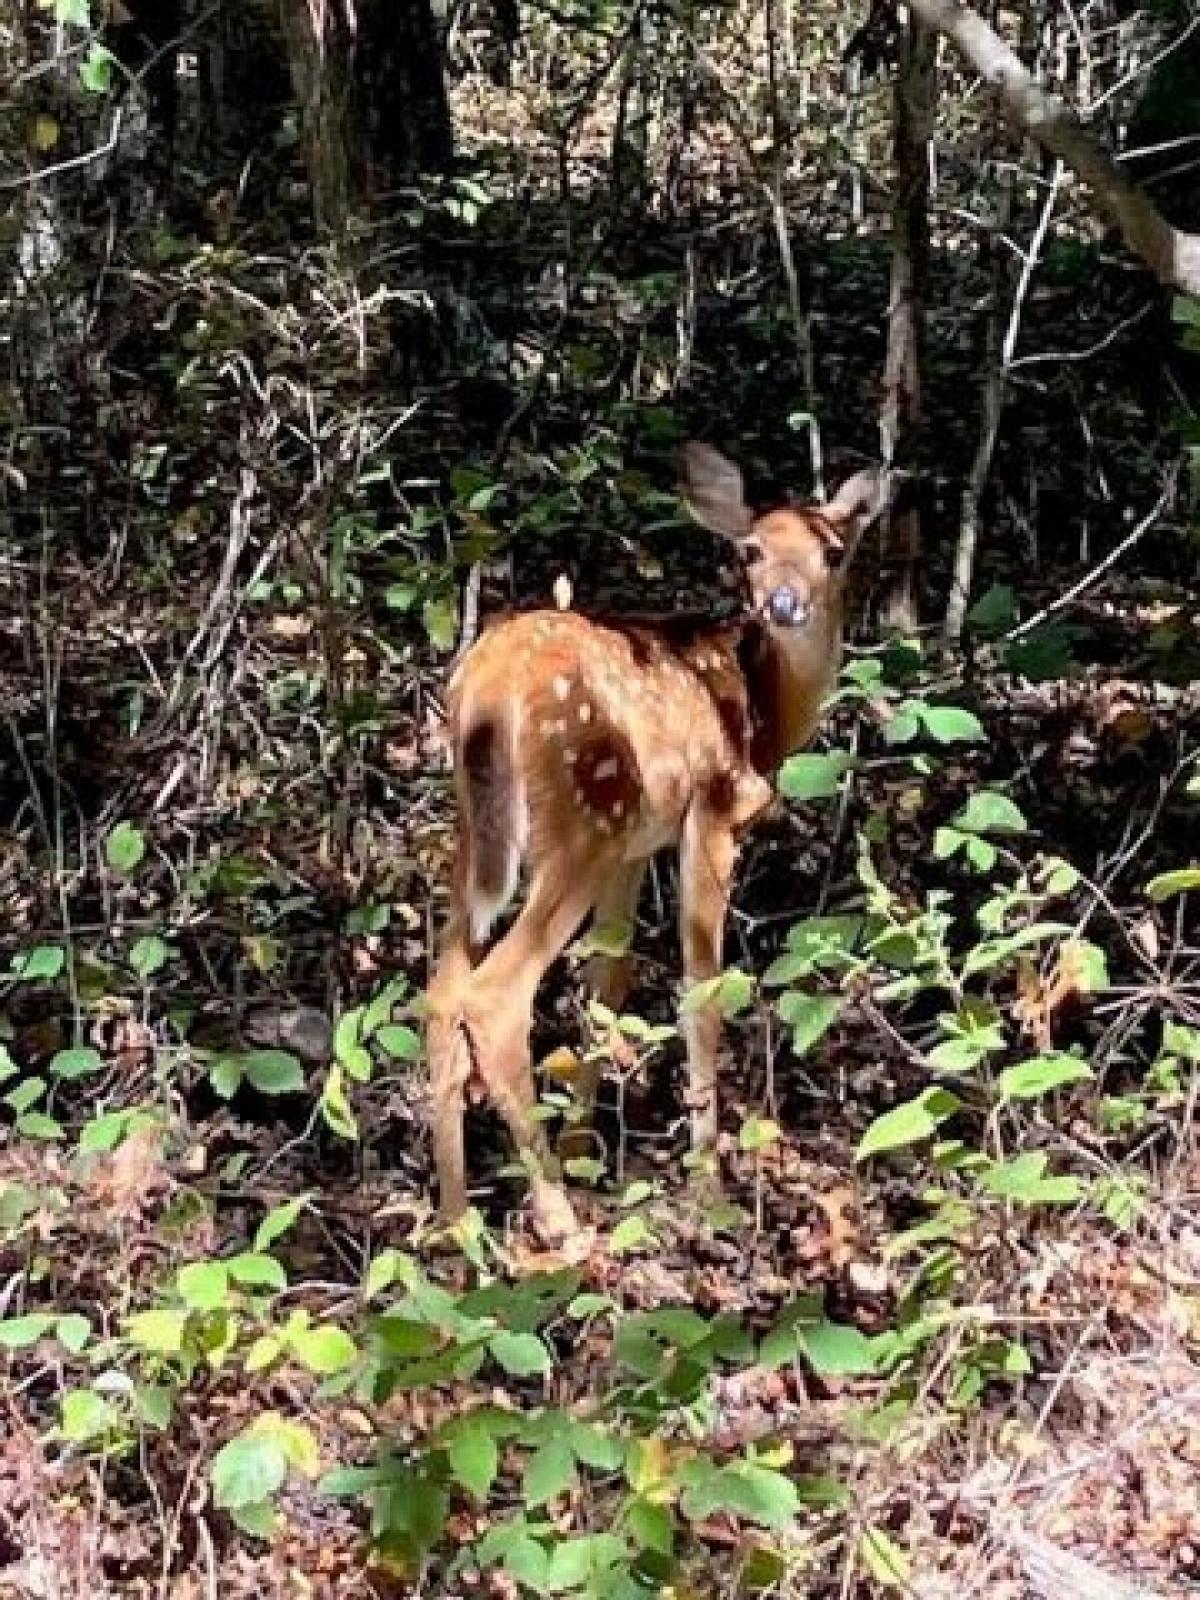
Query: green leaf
[521,1354]
[149,954]
[884,1559]
[952,725]
[335,1107]
[810,1017]
[155,1405]
[440,617]
[260,1521]
[729,992]
[73,1331]
[77,1062]
[401,1043]
[249,1469]
[37,1125]
[256,1271]
[85,1415]
[95,70]
[995,610]
[908,1123]
[26,1095]
[990,812]
[758,1133]
[323,1350]
[1168,884]
[41,964]
[651,1525]
[273,1071]
[474,1458]
[125,847]
[159,1332]
[631,1233]
[815,777]
[549,1473]
[203,1285]
[20,1333]
[835,1349]
[1023,1179]
[1042,1075]
[225,1075]
[278,1221]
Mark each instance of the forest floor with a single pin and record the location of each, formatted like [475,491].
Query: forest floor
[227,825]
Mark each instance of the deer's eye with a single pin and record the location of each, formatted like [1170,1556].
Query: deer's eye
[835,554]
[752,551]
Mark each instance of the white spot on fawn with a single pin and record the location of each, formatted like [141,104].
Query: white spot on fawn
[585,712]
[608,768]
[562,688]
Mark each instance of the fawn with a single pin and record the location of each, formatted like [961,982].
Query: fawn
[581,747]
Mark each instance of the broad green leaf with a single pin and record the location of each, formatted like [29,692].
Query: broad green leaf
[401,1043]
[631,1233]
[73,1331]
[154,1404]
[149,954]
[1029,1079]
[19,1333]
[908,1123]
[549,1472]
[521,1354]
[37,1125]
[729,992]
[225,1075]
[41,964]
[814,777]
[1023,1179]
[249,1469]
[77,1062]
[1168,884]
[95,70]
[758,1133]
[835,1349]
[474,1458]
[85,1415]
[990,812]
[203,1285]
[273,1071]
[256,1271]
[810,1017]
[125,847]
[159,1332]
[323,1350]
[952,725]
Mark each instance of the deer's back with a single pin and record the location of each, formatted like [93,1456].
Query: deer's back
[617,727]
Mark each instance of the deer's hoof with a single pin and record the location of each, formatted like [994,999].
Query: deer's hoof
[554,1218]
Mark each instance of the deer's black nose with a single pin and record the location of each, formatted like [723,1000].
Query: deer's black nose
[786,608]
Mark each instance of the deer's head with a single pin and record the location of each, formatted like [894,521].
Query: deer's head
[795,560]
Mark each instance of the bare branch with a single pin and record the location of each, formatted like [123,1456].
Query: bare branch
[1172,254]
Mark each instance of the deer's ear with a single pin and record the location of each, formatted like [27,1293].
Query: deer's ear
[859,502]
[714,493]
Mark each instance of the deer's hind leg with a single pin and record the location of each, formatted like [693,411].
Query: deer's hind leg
[494,1013]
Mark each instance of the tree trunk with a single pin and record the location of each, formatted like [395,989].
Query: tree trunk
[372,95]
[900,419]
[1173,255]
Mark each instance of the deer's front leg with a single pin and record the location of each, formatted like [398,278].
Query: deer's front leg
[706,859]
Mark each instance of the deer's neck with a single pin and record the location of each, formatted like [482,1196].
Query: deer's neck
[787,679]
